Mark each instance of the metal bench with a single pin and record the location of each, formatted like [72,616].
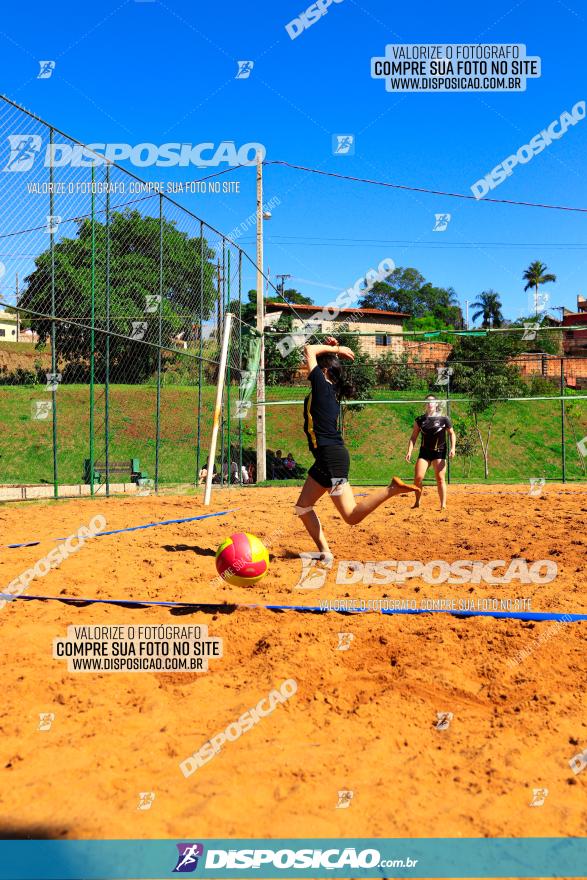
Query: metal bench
[130,468]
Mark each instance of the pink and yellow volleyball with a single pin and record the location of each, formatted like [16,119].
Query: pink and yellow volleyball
[242,559]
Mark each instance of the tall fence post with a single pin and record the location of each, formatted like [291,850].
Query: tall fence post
[217,406]
[53,328]
[448,414]
[107,341]
[159,340]
[563,430]
[201,335]
[229,438]
[221,297]
[240,364]
[92,332]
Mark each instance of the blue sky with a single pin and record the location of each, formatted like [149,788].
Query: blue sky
[165,71]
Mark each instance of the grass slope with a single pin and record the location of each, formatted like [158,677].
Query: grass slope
[525,443]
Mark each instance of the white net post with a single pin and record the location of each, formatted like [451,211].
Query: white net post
[218,405]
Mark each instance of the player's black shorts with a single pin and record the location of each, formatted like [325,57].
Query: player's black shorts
[330,463]
[431,455]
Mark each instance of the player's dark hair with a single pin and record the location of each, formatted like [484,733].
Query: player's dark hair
[343,387]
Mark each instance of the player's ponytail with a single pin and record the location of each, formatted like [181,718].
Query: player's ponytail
[343,387]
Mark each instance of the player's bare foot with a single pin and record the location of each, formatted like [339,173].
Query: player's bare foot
[398,487]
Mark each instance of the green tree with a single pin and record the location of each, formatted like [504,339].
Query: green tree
[534,276]
[482,370]
[360,373]
[134,274]
[406,290]
[467,440]
[291,295]
[488,305]
[280,370]
[394,371]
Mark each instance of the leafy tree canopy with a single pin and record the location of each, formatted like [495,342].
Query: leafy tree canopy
[134,241]
[406,290]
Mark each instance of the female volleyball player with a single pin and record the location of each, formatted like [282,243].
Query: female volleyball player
[433,449]
[330,470]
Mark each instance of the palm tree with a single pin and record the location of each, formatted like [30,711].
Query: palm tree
[488,305]
[534,275]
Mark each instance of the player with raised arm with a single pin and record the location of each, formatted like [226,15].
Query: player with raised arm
[330,470]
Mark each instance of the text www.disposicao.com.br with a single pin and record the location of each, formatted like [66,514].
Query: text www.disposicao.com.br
[143,664]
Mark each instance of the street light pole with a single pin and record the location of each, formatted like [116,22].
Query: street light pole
[261,439]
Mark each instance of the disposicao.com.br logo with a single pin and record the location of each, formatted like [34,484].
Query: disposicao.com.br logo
[23,151]
[301,859]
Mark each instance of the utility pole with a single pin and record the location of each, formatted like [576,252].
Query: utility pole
[16,291]
[261,439]
[219,280]
[466,314]
[282,285]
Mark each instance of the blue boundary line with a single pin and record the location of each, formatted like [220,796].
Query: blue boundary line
[309,609]
[165,522]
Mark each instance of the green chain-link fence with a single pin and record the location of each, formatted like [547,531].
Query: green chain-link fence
[113,300]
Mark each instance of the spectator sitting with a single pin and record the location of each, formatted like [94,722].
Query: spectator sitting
[290,464]
[278,471]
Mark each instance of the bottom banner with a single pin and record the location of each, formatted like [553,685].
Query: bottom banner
[353,858]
